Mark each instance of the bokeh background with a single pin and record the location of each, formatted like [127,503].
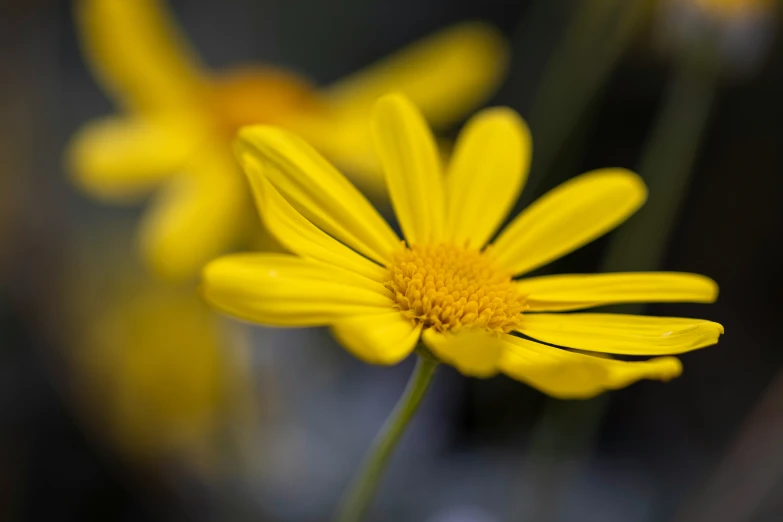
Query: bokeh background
[222,421]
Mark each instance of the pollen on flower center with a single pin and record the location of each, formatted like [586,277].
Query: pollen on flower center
[447,287]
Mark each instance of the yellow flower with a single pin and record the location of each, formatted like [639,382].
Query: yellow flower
[444,284]
[155,375]
[180,120]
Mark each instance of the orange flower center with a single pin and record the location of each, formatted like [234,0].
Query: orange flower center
[448,287]
[260,95]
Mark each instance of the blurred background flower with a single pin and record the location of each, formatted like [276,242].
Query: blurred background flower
[163,379]
[654,452]
[181,120]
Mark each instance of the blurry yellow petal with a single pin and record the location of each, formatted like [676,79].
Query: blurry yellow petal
[569,375]
[197,216]
[568,217]
[575,291]
[347,143]
[285,290]
[122,158]
[487,172]
[378,338]
[446,75]
[302,237]
[473,352]
[139,54]
[317,190]
[622,334]
[412,167]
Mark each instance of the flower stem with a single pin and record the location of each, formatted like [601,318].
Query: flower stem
[364,484]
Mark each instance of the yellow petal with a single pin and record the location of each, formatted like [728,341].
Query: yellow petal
[378,338]
[569,375]
[487,172]
[410,160]
[123,158]
[138,53]
[622,334]
[575,291]
[445,75]
[568,217]
[285,290]
[473,352]
[300,236]
[317,190]
[197,216]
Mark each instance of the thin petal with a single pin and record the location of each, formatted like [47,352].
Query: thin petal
[568,217]
[197,216]
[317,190]
[378,338]
[285,290]
[622,334]
[575,291]
[300,236]
[569,375]
[445,75]
[473,352]
[123,158]
[487,172]
[410,160]
[139,54]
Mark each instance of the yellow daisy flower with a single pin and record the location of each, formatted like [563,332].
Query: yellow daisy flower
[180,119]
[445,285]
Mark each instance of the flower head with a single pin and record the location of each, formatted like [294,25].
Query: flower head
[180,118]
[445,285]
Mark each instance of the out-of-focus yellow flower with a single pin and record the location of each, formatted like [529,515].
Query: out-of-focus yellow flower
[157,377]
[180,120]
[736,33]
[734,8]
[444,284]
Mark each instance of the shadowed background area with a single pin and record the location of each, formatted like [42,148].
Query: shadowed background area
[220,421]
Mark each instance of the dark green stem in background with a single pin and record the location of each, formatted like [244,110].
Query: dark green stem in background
[640,244]
[362,489]
[596,38]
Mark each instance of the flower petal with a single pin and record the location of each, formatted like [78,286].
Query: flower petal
[138,52]
[302,237]
[197,216]
[574,291]
[569,375]
[410,160]
[316,189]
[622,334]
[123,158]
[285,290]
[568,217]
[473,352]
[378,338]
[445,75]
[487,172]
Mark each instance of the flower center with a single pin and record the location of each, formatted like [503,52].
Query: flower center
[448,287]
[260,95]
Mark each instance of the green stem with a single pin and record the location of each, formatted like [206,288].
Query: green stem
[365,483]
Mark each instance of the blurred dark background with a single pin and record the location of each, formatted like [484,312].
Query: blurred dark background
[479,451]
